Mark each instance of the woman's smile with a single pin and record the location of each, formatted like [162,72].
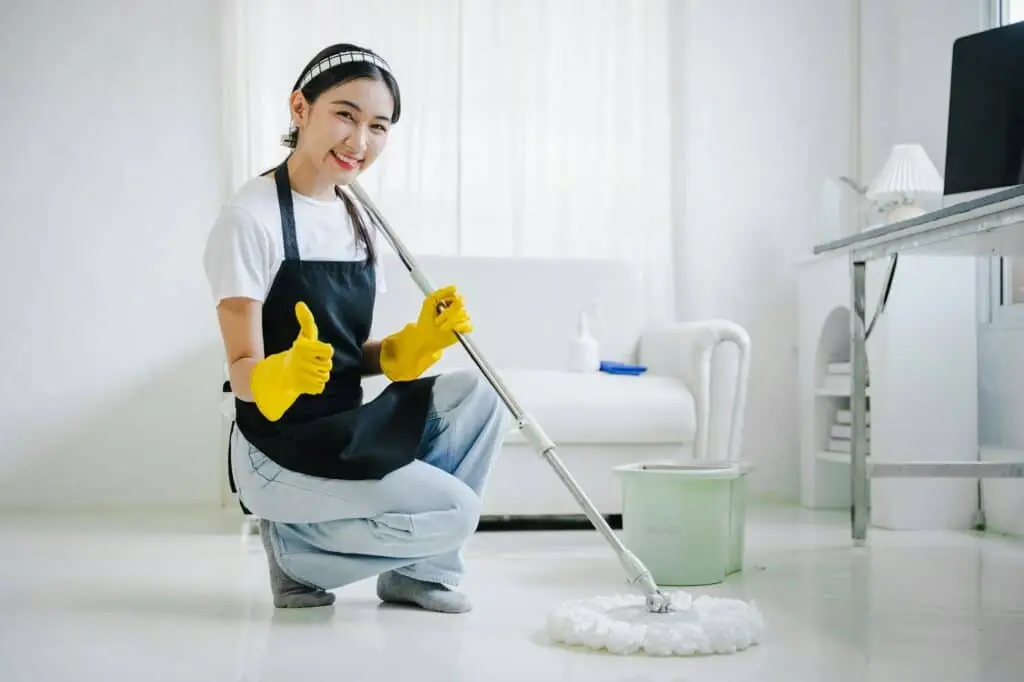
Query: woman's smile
[346,162]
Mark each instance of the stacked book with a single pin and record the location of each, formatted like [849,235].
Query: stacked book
[840,434]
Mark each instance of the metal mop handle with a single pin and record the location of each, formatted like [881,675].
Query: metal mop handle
[638,573]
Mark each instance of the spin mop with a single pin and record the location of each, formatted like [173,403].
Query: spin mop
[656,623]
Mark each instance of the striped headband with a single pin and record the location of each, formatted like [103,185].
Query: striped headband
[339,59]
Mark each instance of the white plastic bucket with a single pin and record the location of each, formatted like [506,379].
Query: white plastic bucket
[678,519]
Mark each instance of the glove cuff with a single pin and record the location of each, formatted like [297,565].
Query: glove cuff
[401,356]
[268,388]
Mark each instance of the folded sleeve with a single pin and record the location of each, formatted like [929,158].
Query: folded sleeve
[237,259]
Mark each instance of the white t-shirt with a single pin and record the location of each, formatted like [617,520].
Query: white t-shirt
[245,247]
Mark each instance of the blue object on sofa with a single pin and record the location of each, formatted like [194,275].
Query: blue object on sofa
[621,368]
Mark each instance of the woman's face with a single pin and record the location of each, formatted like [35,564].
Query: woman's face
[345,129]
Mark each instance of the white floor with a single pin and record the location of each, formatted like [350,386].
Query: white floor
[158,598]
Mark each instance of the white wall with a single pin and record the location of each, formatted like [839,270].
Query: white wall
[111,400]
[767,106]
[109,181]
[906,53]
[763,101]
[114,148]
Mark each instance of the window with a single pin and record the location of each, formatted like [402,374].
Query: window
[1007,274]
[1013,11]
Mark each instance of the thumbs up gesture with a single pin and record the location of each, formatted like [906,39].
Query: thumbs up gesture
[278,380]
[311,359]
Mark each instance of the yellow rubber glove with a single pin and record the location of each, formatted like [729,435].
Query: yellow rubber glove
[278,380]
[412,350]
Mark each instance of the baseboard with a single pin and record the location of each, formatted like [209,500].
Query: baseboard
[544,523]
[1002,499]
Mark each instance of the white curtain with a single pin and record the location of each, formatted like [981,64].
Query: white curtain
[529,127]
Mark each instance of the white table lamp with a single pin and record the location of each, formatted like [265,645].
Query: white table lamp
[907,176]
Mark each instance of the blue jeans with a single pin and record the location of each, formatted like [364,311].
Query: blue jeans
[328,533]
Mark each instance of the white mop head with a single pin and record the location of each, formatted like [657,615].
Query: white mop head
[622,624]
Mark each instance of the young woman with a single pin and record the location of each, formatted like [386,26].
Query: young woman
[344,490]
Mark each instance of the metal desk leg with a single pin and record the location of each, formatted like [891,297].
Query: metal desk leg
[860,508]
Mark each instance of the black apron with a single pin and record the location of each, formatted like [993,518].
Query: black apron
[333,435]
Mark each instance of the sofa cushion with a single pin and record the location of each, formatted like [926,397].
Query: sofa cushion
[603,408]
[575,408]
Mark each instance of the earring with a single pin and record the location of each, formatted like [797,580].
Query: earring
[288,138]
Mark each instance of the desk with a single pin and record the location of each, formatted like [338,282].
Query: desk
[989,226]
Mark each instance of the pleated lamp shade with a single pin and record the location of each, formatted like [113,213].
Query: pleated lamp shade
[908,172]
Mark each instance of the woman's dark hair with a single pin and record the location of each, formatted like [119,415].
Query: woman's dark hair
[337,74]
[339,64]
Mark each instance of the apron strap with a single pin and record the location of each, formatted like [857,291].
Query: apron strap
[284,204]
[231,475]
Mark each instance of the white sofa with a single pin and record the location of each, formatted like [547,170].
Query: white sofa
[689,404]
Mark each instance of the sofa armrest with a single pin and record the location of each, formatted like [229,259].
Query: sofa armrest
[699,353]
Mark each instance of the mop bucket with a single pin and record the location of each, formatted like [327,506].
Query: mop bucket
[681,519]
[738,518]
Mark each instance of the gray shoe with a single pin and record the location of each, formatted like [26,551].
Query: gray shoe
[396,588]
[289,594]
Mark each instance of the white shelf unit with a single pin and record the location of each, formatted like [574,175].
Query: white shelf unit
[922,393]
[829,446]
[834,419]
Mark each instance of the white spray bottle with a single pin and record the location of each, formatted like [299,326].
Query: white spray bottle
[584,355]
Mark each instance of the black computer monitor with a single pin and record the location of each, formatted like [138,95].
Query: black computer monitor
[985,133]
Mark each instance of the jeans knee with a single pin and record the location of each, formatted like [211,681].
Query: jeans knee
[467,517]
[467,393]
[453,389]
